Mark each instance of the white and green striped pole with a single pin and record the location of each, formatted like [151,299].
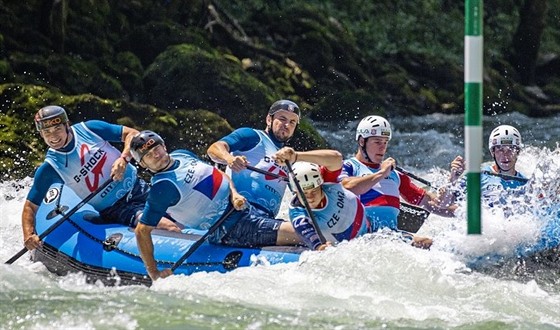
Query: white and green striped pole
[473,110]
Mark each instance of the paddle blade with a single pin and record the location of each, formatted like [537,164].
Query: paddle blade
[411,217]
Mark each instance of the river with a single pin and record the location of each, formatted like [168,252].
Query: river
[369,283]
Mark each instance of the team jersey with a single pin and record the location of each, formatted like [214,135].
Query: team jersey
[191,192]
[382,201]
[263,191]
[493,188]
[84,165]
[341,218]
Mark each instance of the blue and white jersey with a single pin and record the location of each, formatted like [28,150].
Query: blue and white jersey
[494,188]
[342,217]
[87,165]
[192,192]
[263,190]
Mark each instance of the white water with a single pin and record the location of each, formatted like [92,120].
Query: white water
[371,282]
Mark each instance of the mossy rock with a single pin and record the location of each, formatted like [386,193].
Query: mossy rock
[89,36]
[71,74]
[287,79]
[21,149]
[128,70]
[76,76]
[437,70]
[182,128]
[186,76]
[448,101]
[317,61]
[153,38]
[399,96]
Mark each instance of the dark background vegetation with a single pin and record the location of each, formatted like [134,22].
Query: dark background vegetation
[194,70]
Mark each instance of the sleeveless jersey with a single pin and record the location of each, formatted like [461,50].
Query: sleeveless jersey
[342,217]
[382,201]
[204,191]
[264,191]
[88,165]
[492,187]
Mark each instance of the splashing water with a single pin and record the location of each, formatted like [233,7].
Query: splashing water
[371,282]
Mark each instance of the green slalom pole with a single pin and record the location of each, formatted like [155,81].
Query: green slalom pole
[474,46]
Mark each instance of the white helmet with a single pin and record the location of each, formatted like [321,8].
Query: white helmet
[373,126]
[307,174]
[504,135]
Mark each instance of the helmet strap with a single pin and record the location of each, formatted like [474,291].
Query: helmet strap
[67,134]
[501,170]
[268,128]
[364,151]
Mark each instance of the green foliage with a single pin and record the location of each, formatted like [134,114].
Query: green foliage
[381,28]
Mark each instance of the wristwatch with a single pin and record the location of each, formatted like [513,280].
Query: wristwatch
[126,158]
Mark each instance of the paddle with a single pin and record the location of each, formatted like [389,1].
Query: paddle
[506,176]
[415,177]
[61,220]
[201,240]
[261,171]
[305,202]
[410,218]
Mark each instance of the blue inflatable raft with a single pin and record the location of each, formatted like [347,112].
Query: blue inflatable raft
[546,245]
[108,252]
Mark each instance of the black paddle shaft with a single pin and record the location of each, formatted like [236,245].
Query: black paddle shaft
[506,176]
[61,220]
[415,177]
[305,203]
[201,240]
